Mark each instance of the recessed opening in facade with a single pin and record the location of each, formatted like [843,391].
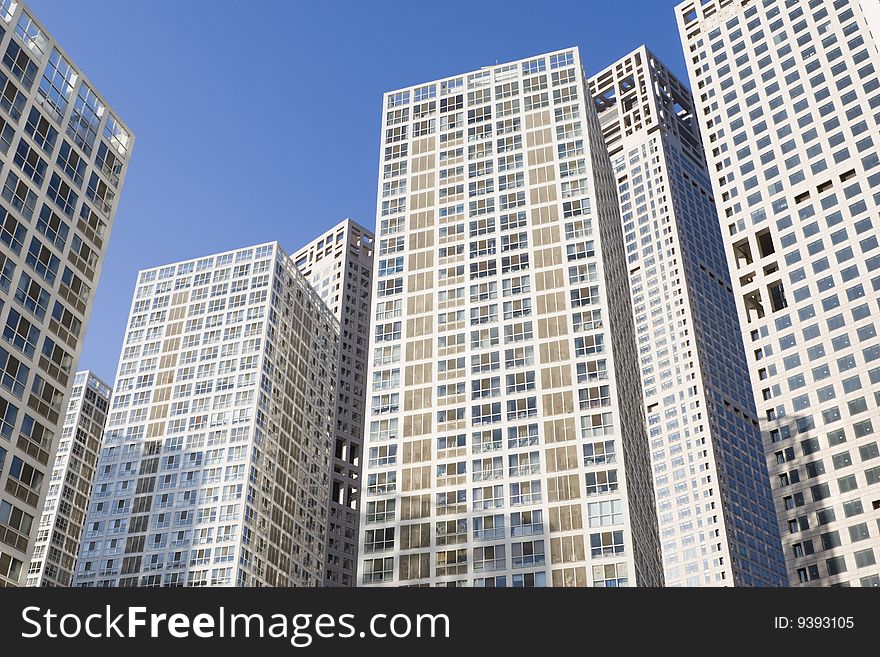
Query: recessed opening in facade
[777,296]
[754,306]
[742,250]
[765,243]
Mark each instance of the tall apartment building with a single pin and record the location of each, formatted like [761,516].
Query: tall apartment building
[215,465]
[506,442]
[714,506]
[63,160]
[61,523]
[788,102]
[339,266]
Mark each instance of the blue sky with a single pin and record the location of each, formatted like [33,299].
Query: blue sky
[258,120]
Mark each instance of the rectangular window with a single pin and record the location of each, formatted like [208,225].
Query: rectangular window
[12,100]
[85,119]
[56,86]
[62,194]
[20,195]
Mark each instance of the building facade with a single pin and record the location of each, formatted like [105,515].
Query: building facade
[505,442]
[215,465]
[714,507]
[339,266]
[63,159]
[788,102]
[67,499]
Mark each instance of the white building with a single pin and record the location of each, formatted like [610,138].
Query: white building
[63,160]
[505,442]
[61,523]
[714,507]
[215,465]
[339,266]
[788,102]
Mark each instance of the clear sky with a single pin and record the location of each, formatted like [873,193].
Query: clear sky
[258,120]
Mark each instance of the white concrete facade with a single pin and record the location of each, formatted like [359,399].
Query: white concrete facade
[339,266]
[215,466]
[505,439]
[63,159]
[714,508]
[788,103]
[67,500]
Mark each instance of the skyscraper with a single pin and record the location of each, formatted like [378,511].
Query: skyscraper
[215,465]
[714,507]
[505,441]
[788,101]
[61,522]
[64,155]
[339,266]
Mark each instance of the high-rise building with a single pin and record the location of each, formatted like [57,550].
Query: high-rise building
[714,507]
[63,159]
[61,523]
[215,465]
[506,442]
[339,266]
[788,102]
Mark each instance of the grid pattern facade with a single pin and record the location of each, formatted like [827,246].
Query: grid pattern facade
[714,507]
[61,523]
[505,442]
[63,160]
[788,102]
[215,465]
[339,266]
